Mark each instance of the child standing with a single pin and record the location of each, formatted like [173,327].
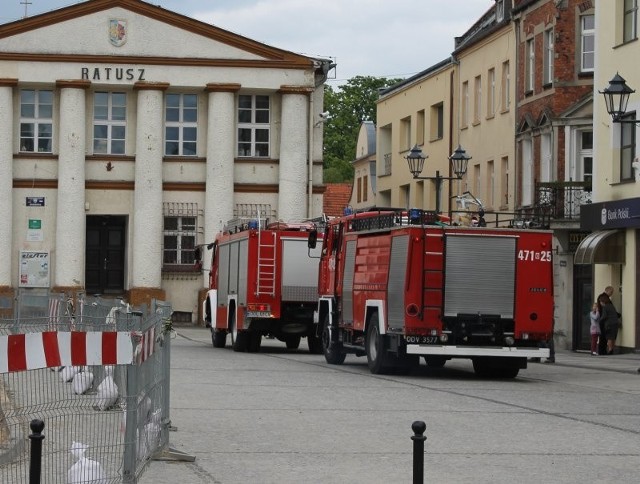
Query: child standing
[595,328]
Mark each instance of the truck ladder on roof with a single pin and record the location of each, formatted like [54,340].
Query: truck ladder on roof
[267,241]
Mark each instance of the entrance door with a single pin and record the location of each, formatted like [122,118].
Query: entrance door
[582,302]
[105,254]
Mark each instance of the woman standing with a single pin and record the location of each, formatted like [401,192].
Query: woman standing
[595,328]
[610,321]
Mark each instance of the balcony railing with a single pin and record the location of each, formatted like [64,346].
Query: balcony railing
[560,201]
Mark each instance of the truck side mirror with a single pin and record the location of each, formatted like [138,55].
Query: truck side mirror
[313,239]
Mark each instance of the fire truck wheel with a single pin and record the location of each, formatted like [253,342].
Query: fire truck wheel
[315,344]
[292,342]
[378,358]
[219,338]
[238,338]
[332,350]
[255,341]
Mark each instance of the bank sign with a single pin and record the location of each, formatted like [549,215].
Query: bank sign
[615,214]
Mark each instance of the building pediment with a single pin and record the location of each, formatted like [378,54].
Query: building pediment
[128,31]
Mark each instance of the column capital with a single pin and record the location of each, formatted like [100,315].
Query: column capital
[151,86]
[8,82]
[73,83]
[222,87]
[284,89]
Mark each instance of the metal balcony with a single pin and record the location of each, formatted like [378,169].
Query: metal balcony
[560,201]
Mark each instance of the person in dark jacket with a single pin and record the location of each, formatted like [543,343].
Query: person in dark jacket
[602,342]
[609,319]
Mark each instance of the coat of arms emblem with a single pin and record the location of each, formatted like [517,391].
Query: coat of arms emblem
[117,32]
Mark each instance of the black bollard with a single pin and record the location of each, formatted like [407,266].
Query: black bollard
[418,438]
[35,468]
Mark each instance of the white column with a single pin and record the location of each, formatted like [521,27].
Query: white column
[293,169]
[70,215]
[147,216]
[221,129]
[6,179]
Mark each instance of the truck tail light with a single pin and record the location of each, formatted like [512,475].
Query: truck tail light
[259,307]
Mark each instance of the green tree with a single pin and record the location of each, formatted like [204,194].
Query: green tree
[349,105]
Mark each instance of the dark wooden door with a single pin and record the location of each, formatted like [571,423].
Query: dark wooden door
[105,254]
[582,301]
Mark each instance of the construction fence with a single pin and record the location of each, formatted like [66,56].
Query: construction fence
[97,373]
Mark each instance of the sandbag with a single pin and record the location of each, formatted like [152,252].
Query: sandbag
[85,470]
[107,391]
[82,381]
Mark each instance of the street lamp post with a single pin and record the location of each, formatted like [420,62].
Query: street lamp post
[459,163]
[616,97]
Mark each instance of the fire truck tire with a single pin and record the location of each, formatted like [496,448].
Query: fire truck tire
[333,353]
[255,341]
[292,342]
[315,344]
[219,338]
[238,338]
[378,359]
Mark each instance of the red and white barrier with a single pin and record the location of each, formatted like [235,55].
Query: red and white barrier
[30,351]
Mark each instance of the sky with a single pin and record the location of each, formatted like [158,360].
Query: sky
[381,38]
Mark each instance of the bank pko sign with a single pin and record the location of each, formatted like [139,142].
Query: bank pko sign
[614,214]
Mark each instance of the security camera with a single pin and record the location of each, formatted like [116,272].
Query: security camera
[325,115]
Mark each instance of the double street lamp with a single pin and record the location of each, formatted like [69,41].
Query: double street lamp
[459,164]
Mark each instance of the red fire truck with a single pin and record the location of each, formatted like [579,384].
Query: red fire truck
[263,282]
[396,285]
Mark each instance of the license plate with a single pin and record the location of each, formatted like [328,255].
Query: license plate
[421,340]
[258,314]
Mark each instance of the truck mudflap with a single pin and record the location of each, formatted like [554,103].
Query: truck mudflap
[471,351]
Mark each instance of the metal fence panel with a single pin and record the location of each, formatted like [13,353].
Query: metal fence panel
[122,436]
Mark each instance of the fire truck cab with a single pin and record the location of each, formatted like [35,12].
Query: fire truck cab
[262,282]
[395,285]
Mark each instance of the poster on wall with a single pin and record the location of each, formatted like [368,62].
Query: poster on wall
[34,269]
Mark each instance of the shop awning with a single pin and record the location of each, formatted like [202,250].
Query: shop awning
[602,247]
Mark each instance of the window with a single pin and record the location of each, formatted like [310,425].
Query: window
[506,87]
[585,154]
[36,124]
[465,104]
[491,185]
[587,43]
[530,65]
[630,24]
[546,158]
[109,122]
[359,191]
[405,133]
[504,181]
[181,125]
[547,68]
[627,147]
[527,173]
[179,240]
[437,121]
[491,93]
[365,187]
[477,105]
[477,181]
[420,127]
[254,118]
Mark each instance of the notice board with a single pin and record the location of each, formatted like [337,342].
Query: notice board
[34,269]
